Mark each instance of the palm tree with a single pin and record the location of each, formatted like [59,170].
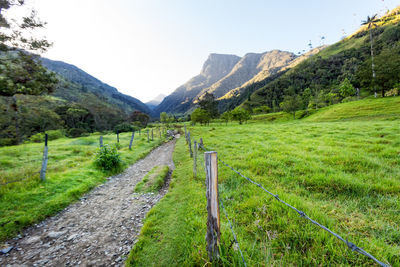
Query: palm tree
[371,23]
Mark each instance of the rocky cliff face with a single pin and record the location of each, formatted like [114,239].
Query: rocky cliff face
[271,63]
[251,68]
[226,76]
[216,67]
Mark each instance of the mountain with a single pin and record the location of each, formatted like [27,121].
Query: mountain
[216,67]
[227,76]
[74,77]
[80,104]
[238,95]
[251,66]
[155,102]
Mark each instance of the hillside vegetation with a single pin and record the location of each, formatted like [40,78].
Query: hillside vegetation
[317,80]
[387,108]
[80,104]
[339,168]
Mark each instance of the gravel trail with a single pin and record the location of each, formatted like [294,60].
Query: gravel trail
[100,229]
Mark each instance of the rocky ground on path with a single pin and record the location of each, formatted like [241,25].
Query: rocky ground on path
[100,229]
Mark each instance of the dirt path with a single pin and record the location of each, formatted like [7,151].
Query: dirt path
[97,231]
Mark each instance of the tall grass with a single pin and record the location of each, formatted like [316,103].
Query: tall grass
[345,175]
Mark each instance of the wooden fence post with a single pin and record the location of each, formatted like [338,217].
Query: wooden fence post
[159,131]
[190,145]
[130,143]
[213,220]
[45,159]
[101,141]
[201,143]
[152,136]
[186,137]
[195,160]
[117,136]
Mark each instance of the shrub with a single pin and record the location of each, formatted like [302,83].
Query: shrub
[124,127]
[56,134]
[392,92]
[77,132]
[37,138]
[108,158]
[7,141]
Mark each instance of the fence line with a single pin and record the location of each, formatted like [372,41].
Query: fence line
[350,245]
[15,181]
[45,158]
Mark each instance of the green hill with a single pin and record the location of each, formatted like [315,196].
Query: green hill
[323,73]
[387,108]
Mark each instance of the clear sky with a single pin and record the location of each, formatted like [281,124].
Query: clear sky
[148,47]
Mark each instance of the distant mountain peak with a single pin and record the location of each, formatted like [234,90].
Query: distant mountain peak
[155,101]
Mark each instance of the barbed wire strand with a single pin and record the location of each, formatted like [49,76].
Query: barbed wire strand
[15,181]
[202,163]
[233,232]
[351,245]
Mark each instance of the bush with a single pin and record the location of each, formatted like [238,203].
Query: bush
[77,132]
[108,158]
[56,134]
[393,92]
[53,135]
[8,141]
[124,127]
[37,138]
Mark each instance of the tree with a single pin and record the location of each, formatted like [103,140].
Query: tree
[209,104]
[226,116]
[387,72]
[200,115]
[20,69]
[370,22]
[306,97]
[346,89]
[141,117]
[290,104]
[163,117]
[241,115]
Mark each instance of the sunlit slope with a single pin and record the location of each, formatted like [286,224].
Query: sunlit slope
[370,108]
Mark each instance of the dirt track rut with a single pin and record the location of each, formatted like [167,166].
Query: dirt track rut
[97,231]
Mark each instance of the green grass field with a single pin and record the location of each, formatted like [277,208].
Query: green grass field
[70,174]
[344,174]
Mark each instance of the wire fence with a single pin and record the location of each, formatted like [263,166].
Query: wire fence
[349,244]
[30,160]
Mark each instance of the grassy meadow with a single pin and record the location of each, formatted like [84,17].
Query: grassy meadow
[343,173]
[70,174]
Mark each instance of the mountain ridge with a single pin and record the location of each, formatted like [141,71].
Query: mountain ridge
[226,81]
[214,68]
[89,83]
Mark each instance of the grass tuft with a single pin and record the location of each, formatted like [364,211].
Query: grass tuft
[154,180]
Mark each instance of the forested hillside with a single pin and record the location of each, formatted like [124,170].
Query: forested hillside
[334,74]
[79,104]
